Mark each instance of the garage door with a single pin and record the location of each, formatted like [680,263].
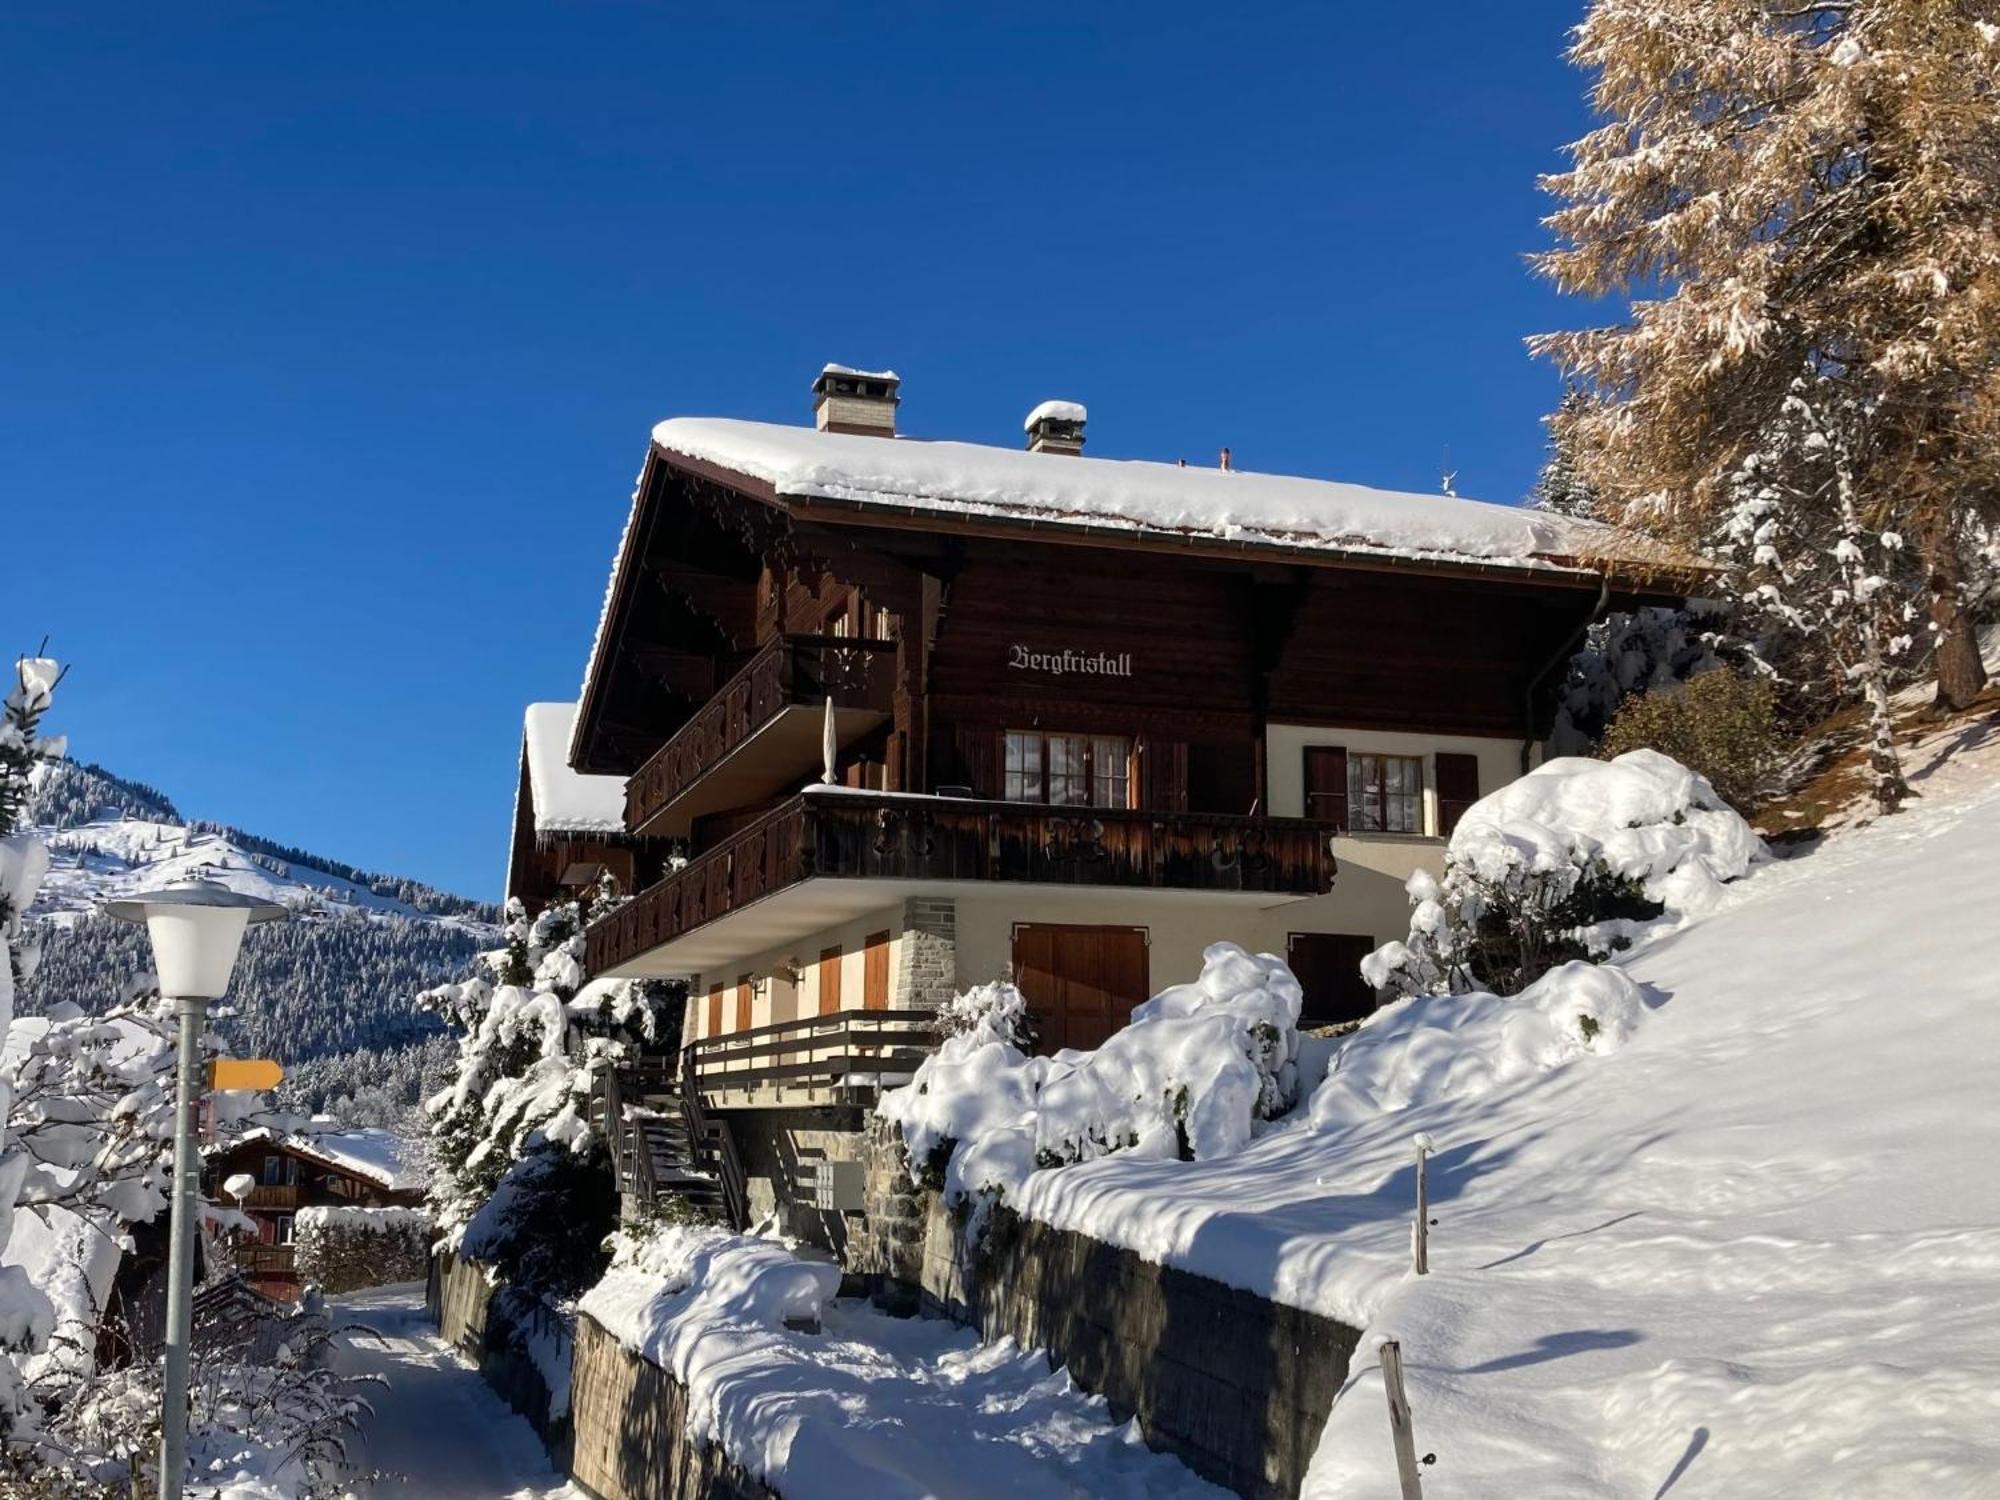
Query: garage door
[1080,982]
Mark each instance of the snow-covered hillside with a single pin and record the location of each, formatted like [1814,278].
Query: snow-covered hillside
[1754,1251]
[341,975]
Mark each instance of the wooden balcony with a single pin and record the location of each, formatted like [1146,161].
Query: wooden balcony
[282,1196]
[839,1058]
[266,1260]
[837,836]
[763,730]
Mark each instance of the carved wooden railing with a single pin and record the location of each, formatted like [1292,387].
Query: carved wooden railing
[876,835]
[793,671]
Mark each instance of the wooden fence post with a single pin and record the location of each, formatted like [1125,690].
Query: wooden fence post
[1421,1244]
[1400,1431]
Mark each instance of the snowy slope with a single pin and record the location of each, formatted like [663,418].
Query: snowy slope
[342,974]
[1754,1252]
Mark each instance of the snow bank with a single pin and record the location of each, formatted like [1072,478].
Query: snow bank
[362,1220]
[1234,505]
[1432,1049]
[860,1403]
[1191,1075]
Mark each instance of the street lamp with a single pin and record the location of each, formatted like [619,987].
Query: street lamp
[196,929]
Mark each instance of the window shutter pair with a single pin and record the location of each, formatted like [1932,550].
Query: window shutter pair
[1326,784]
[1457,788]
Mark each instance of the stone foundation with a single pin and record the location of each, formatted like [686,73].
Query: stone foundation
[1237,1386]
[631,1438]
[474,1317]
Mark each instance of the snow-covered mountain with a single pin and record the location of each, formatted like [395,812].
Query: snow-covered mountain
[338,977]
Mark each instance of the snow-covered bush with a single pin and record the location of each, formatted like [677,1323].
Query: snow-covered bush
[1190,1077]
[1576,860]
[1431,1048]
[1631,652]
[341,1248]
[1722,725]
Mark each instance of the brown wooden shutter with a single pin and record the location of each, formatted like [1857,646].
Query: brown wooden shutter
[743,994]
[978,754]
[715,1009]
[875,972]
[1458,788]
[1163,775]
[829,981]
[1326,784]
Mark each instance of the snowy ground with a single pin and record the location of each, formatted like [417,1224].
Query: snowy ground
[438,1431]
[1754,1252]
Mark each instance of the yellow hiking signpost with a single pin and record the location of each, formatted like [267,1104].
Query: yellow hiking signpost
[244,1073]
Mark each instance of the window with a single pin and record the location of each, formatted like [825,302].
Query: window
[284,1231]
[1068,770]
[1385,793]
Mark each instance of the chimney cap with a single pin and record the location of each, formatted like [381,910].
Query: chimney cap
[840,376]
[861,402]
[1056,411]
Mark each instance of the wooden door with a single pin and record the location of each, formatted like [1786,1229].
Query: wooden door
[1328,968]
[875,972]
[1080,982]
[829,980]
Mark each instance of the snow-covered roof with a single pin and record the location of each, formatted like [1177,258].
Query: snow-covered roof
[1146,498]
[566,801]
[381,1156]
[1055,411]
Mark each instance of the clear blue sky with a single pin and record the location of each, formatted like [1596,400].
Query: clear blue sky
[330,335]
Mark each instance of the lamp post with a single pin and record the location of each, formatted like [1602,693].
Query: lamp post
[196,929]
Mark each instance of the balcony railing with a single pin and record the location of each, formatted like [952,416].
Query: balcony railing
[266,1260]
[273,1195]
[846,1052]
[793,671]
[886,836]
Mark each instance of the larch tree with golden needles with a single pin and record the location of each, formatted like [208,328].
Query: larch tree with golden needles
[1800,204]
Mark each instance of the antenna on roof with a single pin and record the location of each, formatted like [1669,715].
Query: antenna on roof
[1449,482]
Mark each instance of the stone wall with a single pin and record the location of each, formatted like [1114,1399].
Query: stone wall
[1237,1386]
[493,1331]
[630,1430]
[928,961]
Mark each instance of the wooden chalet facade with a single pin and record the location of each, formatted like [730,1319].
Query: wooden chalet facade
[1079,730]
[352,1170]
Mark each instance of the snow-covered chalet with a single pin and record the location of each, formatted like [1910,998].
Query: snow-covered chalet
[886,717]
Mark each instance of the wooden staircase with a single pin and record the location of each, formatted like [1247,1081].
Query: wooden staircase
[663,1144]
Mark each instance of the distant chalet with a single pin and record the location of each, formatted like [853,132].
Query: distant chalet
[1086,716]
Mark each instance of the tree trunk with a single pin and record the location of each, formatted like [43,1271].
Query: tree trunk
[1960,673]
[1885,769]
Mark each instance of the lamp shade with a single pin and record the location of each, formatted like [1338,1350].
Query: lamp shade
[197,929]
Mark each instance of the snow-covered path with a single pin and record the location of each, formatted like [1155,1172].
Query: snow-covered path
[438,1431]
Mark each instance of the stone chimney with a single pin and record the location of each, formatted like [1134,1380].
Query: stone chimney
[1056,427]
[858,401]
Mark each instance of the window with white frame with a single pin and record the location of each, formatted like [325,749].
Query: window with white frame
[1067,770]
[1385,793]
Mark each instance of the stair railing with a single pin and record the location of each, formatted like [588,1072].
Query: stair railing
[714,1138]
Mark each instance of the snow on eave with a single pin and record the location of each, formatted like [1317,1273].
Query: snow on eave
[562,800]
[942,481]
[618,560]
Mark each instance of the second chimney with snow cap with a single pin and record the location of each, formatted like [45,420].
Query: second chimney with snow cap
[1056,427]
[858,401]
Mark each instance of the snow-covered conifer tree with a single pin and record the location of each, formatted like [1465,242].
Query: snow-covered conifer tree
[1784,189]
[1560,487]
